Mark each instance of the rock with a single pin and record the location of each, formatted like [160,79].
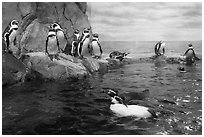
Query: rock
[115,63]
[35,18]
[62,69]
[26,8]
[13,70]
[91,64]
[34,37]
[82,6]
[9,12]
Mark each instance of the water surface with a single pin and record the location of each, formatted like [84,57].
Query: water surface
[82,106]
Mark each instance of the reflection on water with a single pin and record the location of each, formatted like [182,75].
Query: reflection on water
[82,107]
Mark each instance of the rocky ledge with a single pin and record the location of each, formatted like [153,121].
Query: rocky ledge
[29,60]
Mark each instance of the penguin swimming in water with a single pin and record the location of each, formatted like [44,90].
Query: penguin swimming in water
[9,35]
[60,36]
[190,56]
[52,45]
[96,47]
[83,46]
[118,55]
[75,43]
[121,109]
[182,69]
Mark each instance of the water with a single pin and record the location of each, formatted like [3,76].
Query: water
[82,107]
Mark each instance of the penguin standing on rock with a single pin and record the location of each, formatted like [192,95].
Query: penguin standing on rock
[159,48]
[83,46]
[96,47]
[60,36]
[75,43]
[52,45]
[9,35]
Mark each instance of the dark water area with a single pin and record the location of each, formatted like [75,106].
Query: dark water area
[82,106]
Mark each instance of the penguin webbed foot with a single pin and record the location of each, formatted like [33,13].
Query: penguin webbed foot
[51,57]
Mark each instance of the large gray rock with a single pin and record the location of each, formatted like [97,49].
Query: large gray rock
[13,70]
[35,18]
[65,68]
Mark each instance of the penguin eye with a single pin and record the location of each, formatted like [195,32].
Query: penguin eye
[86,31]
[55,25]
[14,22]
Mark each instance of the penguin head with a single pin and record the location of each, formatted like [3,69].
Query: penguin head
[14,24]
[117,100]
[76,31]
[126,53]
[112,93]
[51,33]
[190,45]
[181,68]
[95,35]
[56,26]
[86,31]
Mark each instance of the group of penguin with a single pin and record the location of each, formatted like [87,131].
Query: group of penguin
[57,41]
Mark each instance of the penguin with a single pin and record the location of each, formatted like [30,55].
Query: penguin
[96,47]
[9,35]
[52,45]
[182,69]
[122,109]
[159,48]
[60,36]
[118,55]
[83,46]
[75,43]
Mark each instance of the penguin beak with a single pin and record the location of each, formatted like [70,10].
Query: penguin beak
[61,29]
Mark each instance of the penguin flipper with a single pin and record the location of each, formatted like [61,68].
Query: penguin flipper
[46,51]
[100,47]
[59,49]
[152,112]
[7,41]
[15,41]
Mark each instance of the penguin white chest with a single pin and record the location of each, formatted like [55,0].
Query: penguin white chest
[189,54]
[61,39]
[52,46]
[130,110]
[96,48]
[12,35]
[85,44]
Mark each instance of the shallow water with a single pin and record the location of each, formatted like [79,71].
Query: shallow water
[82,106]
